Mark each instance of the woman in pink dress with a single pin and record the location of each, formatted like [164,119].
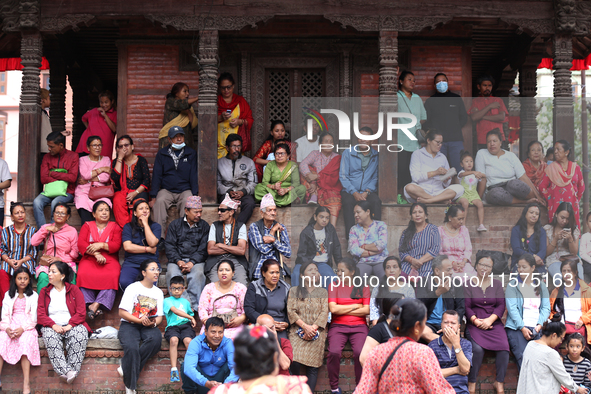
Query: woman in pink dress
[227,296]
[94,170]
[18,336]
[455,241]
[562,181]
[101,121]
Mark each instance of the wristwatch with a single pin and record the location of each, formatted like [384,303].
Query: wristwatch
[457,350]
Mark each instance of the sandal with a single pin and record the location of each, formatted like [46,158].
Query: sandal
[98,313]
[90,314]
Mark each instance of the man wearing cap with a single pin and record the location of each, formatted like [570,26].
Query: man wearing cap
[227,241]
[186,249]
[175,176]
[267,238]
[237,177]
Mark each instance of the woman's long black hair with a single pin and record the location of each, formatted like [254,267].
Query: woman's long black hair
[411,230]
[301,291]
[522,223]
[573,262]
[135,225]
[13,288]
[383,288]
[568,207]
[357,291]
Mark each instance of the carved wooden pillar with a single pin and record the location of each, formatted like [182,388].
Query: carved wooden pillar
[245,75]
[208,115]
[527,90]
[564,122]
[57,78]
[29,117]
[388,103]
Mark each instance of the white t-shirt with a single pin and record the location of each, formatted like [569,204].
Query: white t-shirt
[321,255]
[141,301]
[58,308]
[572,307]
[305,147]
[531,305]
[241,233]
[4,176]
[499,169]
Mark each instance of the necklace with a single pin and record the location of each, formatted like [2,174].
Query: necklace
[450,230]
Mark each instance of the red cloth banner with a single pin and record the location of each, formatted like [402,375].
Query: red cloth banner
[14,63]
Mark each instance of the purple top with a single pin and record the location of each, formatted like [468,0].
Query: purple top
[482,305]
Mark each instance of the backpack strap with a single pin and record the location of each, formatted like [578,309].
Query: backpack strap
[388,360]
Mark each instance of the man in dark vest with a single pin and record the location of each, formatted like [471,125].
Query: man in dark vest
[227,240]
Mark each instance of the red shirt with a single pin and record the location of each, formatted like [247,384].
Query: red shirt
[288,350]
[66,159]
[484,126]
[97,125]
[342,296]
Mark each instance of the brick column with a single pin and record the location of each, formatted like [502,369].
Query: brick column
[564,121]
[29,117]
[388,103]
[208,115]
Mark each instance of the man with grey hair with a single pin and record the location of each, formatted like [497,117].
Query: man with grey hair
[439,293]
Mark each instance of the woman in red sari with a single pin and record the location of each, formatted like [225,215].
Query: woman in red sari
[321,171]
[534,165]
[562,181]
[99,268]
[278,133]
[234,115]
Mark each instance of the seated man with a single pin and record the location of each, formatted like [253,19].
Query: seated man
[453,352]
[174,177]
[285,350]
[209,361]
[439,295]
[227,241]
[304,145]
[359,176]
[267,238]
[186,249]
[59,164]
[237,176]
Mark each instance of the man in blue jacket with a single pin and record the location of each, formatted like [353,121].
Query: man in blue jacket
[359,177]
[209,361]
[175,176]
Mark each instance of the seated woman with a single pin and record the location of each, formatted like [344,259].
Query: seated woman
[99,268]
[16,247]
[141,311]
[394,281]
[563,238]
[528,236]
[225,296]
[419,243]
[234,115]
[349,306]
[268,296]
[572,299]
[61,244]
[281,179]
[257,343]
[61,315]
[427,168]
[321,171]
[528,307]
[534,165]
[485,306]
[18,336]
[140,239]
[319,243]
[178,111]
[266,154]
[368,240]
[307,309]
[94,170]
[380,332]
[455,241]
[131,176]
[506,180]
[562,181]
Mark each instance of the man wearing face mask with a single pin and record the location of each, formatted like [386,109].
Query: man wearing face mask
[487,112]
[446,113]
[174,177]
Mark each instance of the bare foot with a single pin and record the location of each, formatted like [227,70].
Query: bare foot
[471,388]
[424,200]
[448,202]
[532,200]
[499,387]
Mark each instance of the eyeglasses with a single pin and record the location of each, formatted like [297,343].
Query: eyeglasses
[281,154]
[177,288]
[486,266]
[96,146]
[124,146]
[224,209]
[226,87]
[154,270]
[439,143]
[60,214]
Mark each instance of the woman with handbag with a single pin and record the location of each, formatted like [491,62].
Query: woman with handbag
[281,179]
[99,268]
[94,180]
[224,299]
[61,244]
[307,309]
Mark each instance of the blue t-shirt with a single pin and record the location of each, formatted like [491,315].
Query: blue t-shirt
[139,238]
[182,304]
[436,315]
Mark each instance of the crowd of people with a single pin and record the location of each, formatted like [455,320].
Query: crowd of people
[215,283]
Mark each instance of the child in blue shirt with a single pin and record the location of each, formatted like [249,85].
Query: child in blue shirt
[180,322]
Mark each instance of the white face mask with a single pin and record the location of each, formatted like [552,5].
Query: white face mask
[441,86]
[178,146]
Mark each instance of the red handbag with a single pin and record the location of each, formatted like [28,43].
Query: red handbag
[101,191]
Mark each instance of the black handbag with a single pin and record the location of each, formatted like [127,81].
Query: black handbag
[500,261]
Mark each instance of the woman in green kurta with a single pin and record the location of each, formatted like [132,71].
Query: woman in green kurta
[281,178]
